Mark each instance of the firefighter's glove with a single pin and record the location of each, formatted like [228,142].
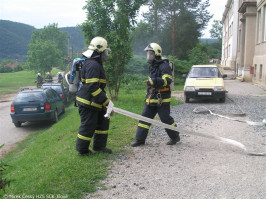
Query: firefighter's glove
[109,111]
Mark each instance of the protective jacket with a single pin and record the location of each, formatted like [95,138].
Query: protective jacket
[157,99]
[49,79]
[92,93]
[39,79]
[60,78]
[160,78]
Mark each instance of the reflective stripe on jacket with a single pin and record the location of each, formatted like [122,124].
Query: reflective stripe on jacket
[92,93]
[161,71]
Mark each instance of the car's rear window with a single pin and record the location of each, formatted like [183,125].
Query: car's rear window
[57,88]
[29,96]
[204,72]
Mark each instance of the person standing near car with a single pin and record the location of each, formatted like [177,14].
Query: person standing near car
[39,80]
[92,99]
[60,77]
[158,96]
[48,78]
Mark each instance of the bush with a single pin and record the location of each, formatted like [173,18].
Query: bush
[181,66]
[3,182]
[5,69]
[133,82]
[198,55]
[137,65]
[18,68]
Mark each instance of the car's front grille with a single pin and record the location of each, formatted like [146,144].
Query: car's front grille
[205,90]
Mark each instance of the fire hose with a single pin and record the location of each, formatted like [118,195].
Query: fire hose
[111,108]
[204,110]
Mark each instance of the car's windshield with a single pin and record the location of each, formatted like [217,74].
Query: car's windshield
[57,88]
[29,96]
[204,72]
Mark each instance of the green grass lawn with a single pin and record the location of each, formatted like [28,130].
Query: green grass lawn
[46,164]
[12,82]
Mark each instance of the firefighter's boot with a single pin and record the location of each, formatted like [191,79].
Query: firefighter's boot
[89,153]
[82,146]
[137,143]
[102,149]
[173,141]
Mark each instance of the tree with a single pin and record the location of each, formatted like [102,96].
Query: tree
[217,30]
[198,55]
[47,48]
[141,36]
[113,20]
[42,55]
[52,33]
[192,15]
[186,36]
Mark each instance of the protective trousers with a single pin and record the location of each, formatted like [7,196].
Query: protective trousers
[93,125]
[150,112]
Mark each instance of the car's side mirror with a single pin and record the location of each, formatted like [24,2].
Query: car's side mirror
[184,75]
[224,75]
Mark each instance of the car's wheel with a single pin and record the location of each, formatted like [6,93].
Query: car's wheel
[222,99]
[55,116]
[17,124]
[186,99]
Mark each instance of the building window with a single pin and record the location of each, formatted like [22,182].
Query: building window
[259,26]
[264,34]
[255,71]
[261,66]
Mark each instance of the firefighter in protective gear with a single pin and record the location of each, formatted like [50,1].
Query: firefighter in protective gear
[39,80]
[60,77]
[92,99]
[48,78]
[158,96]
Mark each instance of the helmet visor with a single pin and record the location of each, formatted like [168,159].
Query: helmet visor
[105,55]
[150,56]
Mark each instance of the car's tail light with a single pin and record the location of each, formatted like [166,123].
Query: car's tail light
[62,96]
[12,108]
[47,107]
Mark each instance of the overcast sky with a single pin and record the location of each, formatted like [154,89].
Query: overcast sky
[40,13]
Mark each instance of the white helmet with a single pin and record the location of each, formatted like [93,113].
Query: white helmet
[38,74]
[98,44]
[154,47]
[47,73]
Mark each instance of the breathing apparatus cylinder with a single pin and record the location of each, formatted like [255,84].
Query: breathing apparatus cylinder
[73,87]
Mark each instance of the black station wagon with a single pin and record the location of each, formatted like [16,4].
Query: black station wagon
[36,105]
[59,88]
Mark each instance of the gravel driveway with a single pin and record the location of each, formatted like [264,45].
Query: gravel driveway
[197,167]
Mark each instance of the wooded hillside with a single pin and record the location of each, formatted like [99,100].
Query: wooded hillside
[15,37]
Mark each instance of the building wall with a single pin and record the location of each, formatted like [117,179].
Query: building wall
[229,44]
[250,39]
[246,38]
[259,60]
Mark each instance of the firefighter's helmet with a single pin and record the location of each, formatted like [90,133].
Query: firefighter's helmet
[154,47]
[98,44]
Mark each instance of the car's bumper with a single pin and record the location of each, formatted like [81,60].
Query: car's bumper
[48,115]
[205,94]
